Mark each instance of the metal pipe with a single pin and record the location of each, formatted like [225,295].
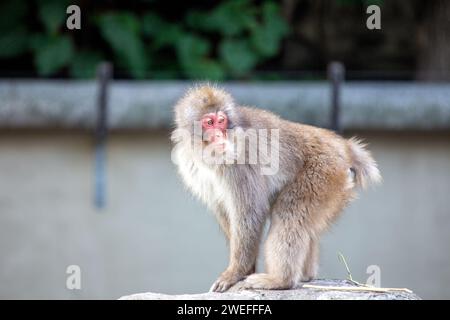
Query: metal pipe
[104,74]
[336,75]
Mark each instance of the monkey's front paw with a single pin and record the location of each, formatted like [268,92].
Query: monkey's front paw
[225,281]
[261,281]
[241,285]
[253,281]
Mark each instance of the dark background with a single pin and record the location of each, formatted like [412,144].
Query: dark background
[223,40]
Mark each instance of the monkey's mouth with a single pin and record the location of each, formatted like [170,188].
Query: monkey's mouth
[215,147]
[217,139]
[220,147]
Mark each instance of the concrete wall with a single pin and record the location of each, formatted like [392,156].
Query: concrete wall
[154,237]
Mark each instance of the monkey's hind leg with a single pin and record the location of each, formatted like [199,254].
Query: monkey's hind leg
[302,211]
[290,259]
[311,266]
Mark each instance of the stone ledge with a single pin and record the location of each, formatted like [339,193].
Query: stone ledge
[148,105]
[296,294]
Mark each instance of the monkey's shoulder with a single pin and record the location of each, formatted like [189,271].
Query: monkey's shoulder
[257,118]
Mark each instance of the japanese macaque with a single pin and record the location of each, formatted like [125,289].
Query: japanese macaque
[315,177]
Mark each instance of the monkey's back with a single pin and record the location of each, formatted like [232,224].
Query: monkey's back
[300,142]
[316,160]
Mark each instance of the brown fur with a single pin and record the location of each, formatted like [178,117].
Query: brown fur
[317,176]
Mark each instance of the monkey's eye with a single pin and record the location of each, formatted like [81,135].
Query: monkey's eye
[221,119]
[210,122]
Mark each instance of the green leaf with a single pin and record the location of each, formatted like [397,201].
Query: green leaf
[192,52]
[13,43]
[84,64]
[205,70]
[122,32]
[238,56]
[197,20]
[38,40]
[52,14]
[191,48]
[272,18]
[163,34]
[172,34]
[229,18]
[267,37]
[152,24]
[53,54]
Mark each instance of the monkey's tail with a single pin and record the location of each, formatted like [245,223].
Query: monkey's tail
[364,166]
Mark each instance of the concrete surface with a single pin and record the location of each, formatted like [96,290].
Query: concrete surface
[148,105]
[295,294]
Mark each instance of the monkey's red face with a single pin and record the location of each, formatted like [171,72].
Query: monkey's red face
[214,126]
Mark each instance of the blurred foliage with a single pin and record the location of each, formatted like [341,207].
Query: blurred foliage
[226,39]
[213,41]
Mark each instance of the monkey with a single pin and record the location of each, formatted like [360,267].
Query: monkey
[318,174]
